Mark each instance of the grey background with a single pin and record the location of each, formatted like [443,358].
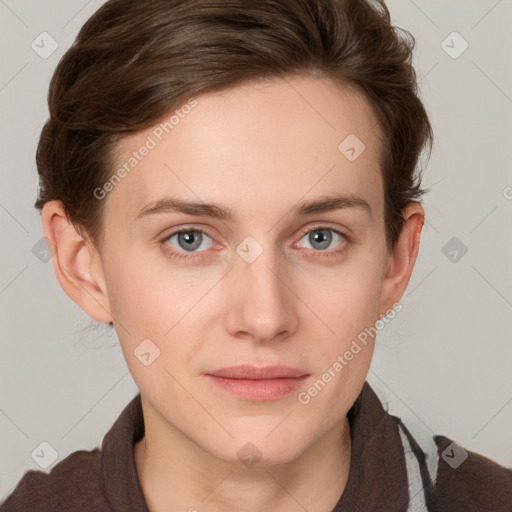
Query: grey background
[445,360]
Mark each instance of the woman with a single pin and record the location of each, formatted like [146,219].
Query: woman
[232,186]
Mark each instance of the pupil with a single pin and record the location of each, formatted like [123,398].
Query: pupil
[321,237]
[188,237]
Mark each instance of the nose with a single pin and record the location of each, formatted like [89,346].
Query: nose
[262,305]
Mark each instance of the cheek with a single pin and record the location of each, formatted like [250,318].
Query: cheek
[135,300]
[172,308]
[349,305]
[346,298]
[146,298]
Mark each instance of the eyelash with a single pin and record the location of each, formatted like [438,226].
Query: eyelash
[178,255]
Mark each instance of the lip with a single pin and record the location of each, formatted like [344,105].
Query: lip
[258,383]
[246,371]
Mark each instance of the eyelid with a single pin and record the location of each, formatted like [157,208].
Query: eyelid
[302,232]
[197,254]
[325,225]
[185,229]
[184,256]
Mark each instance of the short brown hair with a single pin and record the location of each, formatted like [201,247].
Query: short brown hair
[133,62]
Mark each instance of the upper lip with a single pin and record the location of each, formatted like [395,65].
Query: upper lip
[258,373]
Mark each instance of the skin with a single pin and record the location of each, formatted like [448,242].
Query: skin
[258,149]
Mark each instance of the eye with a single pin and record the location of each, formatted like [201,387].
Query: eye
[190,243]
[322,238]
[188,240]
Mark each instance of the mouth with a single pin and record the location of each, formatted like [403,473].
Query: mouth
[260,384]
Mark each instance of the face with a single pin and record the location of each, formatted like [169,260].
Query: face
[279,263]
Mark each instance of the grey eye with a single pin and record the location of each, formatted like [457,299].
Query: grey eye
[321,239]
[189,241]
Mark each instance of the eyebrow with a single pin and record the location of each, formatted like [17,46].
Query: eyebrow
[320,205]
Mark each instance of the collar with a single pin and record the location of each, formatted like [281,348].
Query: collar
[119,473]
[377,477]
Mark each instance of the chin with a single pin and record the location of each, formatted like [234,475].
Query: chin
[258,447]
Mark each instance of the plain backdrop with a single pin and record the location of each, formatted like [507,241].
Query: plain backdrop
[444,362]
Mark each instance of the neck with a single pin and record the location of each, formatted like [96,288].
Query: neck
[182,476]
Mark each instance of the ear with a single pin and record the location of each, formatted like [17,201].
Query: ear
[402,258]
[76,262]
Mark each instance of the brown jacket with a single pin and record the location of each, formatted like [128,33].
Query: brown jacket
[379,478]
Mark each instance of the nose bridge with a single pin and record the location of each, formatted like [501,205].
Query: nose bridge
[262,305]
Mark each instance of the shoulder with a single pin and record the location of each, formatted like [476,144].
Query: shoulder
[467,481]
[73,482]
[460,480]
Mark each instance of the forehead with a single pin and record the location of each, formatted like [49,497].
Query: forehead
[254,145]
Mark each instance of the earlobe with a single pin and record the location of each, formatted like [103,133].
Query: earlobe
[403,257]
[76,263]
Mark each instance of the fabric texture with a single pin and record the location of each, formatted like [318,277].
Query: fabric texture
[106,480]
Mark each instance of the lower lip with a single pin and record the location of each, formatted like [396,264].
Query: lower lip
[264,389]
